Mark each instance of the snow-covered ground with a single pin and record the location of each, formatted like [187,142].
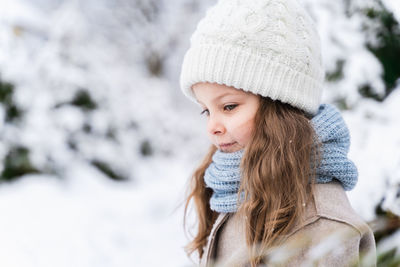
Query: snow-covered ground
[88,220]
[75,216]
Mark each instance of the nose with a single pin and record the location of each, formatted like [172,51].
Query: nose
[215,126]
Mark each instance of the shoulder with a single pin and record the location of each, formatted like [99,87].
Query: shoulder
[330,207]
[332,225]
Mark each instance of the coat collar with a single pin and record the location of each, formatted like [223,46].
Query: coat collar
[210,249]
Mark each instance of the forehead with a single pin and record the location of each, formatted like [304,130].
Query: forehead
[213,91]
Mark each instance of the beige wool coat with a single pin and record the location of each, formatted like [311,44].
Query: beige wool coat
[332,235]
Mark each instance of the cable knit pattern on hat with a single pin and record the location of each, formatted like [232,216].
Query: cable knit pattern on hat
[223,174]
[267,47]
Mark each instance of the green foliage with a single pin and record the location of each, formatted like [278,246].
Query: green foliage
[337,74]
[6,98]
[6,92]
[367,91]
[154,63]
[83,100]
[87,128]
[72,143]
[392,222]
[389,224]
[149,9]
[107,170]
[388,258]
[387,50]
[341,103]
[111,133]
[17,163]
[145,148]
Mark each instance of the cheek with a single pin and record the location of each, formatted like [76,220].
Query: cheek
[242,131]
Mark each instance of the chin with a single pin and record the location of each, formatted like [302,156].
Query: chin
[230,150]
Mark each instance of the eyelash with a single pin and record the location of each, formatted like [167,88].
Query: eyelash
[232,105]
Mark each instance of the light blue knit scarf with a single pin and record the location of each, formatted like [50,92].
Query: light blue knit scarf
[223,174]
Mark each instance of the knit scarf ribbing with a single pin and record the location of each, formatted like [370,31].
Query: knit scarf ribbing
[223,174]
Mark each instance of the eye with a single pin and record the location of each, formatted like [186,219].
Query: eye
[230,107]
[206,110]
[227,107]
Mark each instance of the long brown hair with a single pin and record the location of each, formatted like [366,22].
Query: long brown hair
[277,176]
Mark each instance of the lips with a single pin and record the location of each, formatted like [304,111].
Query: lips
[225,145]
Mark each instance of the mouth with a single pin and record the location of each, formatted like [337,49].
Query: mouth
[226,145]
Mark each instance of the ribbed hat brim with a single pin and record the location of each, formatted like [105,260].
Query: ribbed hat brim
[259,74]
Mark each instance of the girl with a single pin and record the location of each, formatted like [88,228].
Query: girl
[271,189]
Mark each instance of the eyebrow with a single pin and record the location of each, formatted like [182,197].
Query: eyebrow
[218,97]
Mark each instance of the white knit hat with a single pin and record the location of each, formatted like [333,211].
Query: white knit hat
[267,47]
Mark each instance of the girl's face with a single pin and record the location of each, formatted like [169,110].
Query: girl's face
[230,114]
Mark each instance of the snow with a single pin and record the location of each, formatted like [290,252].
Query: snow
[72,214]
[374,132]
[89,220]
[393,5]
